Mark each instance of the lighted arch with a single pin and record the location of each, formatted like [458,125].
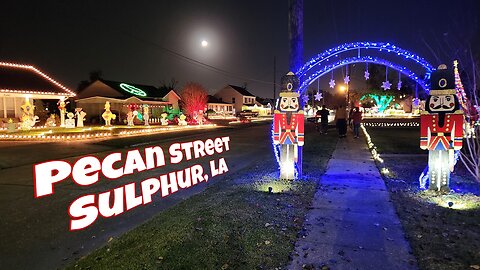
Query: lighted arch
[321,63]
[364,59]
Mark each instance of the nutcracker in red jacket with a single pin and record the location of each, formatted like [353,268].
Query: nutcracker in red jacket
[288,123]
[441,128]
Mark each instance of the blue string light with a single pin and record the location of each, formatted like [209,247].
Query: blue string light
[322,70]
[380,46]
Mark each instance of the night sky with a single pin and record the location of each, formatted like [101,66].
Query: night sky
[137,41]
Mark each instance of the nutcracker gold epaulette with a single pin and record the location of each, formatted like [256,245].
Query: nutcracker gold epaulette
[301,111]
[276,111]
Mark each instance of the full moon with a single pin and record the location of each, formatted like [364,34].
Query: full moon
[204,43]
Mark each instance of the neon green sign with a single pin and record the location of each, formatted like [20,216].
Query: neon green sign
[133,90]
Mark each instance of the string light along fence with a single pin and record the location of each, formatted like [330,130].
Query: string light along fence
[88,133]
[394,124]
[373,150]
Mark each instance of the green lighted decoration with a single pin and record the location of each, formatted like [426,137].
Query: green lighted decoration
[382,101]
[133,90]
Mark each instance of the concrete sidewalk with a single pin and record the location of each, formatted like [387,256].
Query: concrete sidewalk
[352,223]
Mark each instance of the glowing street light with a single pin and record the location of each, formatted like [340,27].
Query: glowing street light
[204,43]
[344,88]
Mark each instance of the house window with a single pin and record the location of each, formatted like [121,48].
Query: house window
[9,106]
[233,100]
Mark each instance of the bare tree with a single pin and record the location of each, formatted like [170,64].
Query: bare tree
[165,87]
[470,153]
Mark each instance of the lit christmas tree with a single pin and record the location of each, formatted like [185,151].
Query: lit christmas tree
[462,97]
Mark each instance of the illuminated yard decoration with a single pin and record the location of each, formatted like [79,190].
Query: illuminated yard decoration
[288,125]
[462,96]
[108,116]
[441,128]
[133,90]
[164,119]
[382,101]
[28,115]
[326,62]
[62,108]
[80,114]
[182,120]
[146,114]
[130,118]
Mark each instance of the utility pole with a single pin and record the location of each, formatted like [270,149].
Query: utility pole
[295,33]
[274,78]
[295,38]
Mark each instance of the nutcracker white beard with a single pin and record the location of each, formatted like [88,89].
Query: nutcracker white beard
[289,104]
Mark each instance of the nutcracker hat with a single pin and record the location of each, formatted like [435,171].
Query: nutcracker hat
[442,81]
[290,84]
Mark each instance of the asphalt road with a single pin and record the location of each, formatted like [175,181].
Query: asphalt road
[35,233]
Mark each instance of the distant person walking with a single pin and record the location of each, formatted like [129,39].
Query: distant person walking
[324,113]
[356,118]
[341,121]
[349,122]
[317,120]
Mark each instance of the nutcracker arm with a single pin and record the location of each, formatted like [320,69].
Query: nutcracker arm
[423,143]
[276,128]
[300,128]
[457,131]
[425,121]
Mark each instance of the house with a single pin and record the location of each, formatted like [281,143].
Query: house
[264,106]
[236,95]
[20,83]
[220,107]
[120,95]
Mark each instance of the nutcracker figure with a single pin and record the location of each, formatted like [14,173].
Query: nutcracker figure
[441,128]
[288,123]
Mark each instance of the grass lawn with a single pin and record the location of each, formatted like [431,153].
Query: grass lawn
[405,140]
[233,224]
[441,237]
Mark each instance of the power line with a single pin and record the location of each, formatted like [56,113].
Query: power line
[194,61]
